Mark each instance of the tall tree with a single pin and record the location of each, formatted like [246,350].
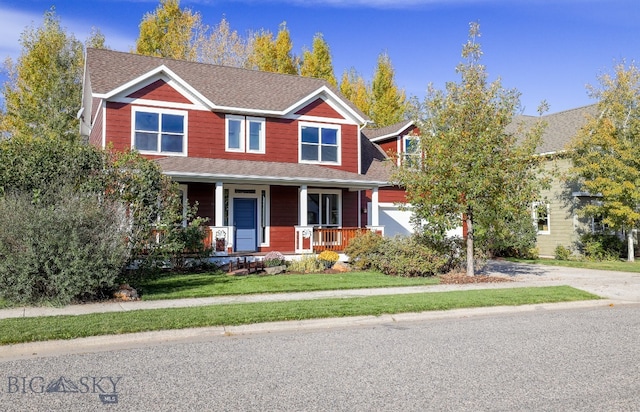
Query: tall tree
[355,88]
[170,32]
[317,62]
[42,95]
[224,46]
[389,103]
[606,152]
[274,55]
[470,165]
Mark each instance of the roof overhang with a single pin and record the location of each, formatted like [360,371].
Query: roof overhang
[394,133]
[162,72]
[278,180]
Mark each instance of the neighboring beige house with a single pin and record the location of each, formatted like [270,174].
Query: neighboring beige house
[556,214]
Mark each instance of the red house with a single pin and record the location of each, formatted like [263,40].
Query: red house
[276,162]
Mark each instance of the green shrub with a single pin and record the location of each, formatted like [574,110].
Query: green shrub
[306,264]
[507,235]
[601,246]
[417,255]
[363,249]
[404,256]
[562,253]
[73,248]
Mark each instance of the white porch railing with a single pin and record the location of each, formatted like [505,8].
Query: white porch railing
[310,239]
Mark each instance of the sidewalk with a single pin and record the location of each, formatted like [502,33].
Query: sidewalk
[617,286]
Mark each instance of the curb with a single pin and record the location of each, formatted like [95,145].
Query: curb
[191,335]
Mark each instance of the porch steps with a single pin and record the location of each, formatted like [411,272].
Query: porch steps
[238,266]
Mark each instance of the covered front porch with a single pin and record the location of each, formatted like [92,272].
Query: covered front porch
[251,219]
[261,206]
[308,239]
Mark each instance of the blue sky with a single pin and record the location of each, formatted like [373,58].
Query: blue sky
[547,49]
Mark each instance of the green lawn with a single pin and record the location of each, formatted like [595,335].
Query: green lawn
[216,284]
[618,266]
[70,327]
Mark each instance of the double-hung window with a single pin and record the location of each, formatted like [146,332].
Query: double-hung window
[323,209]
[159,131]
[319,143]
[245,134]
[410,151]
[541,218]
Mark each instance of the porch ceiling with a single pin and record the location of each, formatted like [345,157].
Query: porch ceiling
[245,171]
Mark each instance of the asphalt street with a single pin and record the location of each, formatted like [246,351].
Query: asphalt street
[584,359]
[579,356]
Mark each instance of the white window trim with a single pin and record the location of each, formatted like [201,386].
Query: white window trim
[534,215]
[244,134]
[263,125]
[320,126]
[321,192]
[183,113]
[406,139]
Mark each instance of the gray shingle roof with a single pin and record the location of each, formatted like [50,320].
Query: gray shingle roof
[561,127]
[223,86]
[264,172]
[391,130]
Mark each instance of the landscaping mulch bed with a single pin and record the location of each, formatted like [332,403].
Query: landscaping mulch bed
[461,278]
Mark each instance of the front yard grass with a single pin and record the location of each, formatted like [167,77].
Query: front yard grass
[617,265]
[218,283]
[69,327]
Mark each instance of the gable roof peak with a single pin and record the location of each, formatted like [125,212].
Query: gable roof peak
[228,88]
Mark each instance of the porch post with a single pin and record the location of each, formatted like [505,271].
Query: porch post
[375,213]
[304,234]
[219,213]
[303,205]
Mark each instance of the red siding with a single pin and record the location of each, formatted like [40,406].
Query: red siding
[203,195]
[350,158]
[95,137]
[159,90]
[284,216]
[390,146]
[206,137]
[350,209]
[282,140]
[319,108]
[119,125]
[392,194]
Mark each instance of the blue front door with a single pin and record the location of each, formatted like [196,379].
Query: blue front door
[245,220]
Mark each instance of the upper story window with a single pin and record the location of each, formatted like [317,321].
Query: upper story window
[319,143]
[410,156]
[159,131]
[541,218]
[245,134]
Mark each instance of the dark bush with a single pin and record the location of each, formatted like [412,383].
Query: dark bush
[54,253]
[602,246]
[410,256]
[404,256]
[513,236]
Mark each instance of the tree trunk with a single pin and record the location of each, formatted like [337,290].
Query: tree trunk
[630,249]
[469,221]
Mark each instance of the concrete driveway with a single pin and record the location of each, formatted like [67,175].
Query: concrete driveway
[620,286]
